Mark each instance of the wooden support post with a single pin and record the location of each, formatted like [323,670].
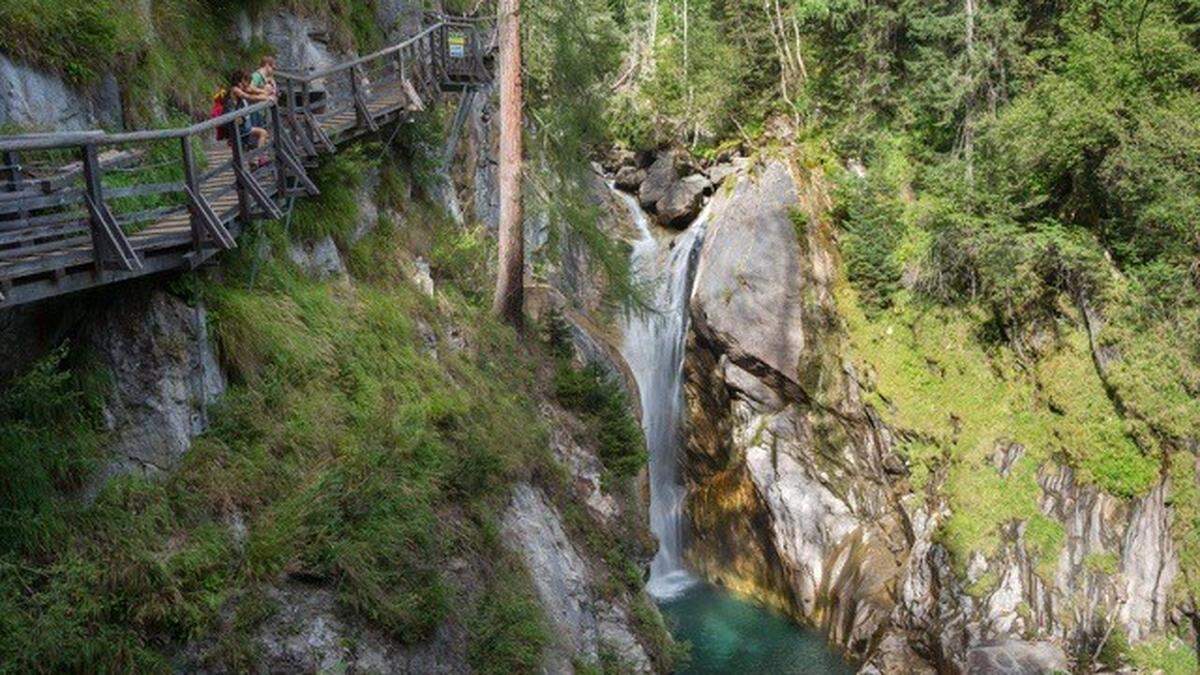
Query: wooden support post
[278,140]
[291,161]
[360,101]
[193,186]
[239,166]
[12,170]
[110,247]
[12,167]
[95,193]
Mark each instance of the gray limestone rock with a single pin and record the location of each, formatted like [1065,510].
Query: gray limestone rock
[629,178]
[164,373]
[683,202]
[584,622]
[1016,658]
[318,259]
[660,178]
[40,100]
[749,296]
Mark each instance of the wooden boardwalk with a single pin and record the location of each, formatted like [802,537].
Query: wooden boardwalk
[80,210]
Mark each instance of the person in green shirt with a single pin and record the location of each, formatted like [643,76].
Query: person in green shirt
[262,83]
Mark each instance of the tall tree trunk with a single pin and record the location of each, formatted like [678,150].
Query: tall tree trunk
[972,87]
[509,300]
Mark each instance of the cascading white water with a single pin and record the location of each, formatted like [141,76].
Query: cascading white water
[653,348]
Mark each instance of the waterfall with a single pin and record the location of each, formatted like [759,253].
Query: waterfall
[654,349]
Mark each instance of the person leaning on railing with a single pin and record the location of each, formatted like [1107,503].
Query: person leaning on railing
[241,95]
[262,83]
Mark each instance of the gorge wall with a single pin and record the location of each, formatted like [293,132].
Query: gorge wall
[804,494]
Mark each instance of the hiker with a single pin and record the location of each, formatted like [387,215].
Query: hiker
[262,83]
[241,95]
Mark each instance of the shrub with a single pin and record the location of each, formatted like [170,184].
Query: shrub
[593,393]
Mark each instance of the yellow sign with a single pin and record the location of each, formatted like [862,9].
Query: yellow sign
[458,46]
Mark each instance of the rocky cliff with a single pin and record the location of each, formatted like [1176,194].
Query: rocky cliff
[808,488]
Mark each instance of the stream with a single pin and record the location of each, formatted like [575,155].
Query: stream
[726,634]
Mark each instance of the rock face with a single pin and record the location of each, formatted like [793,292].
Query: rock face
[675,201]
[300,43]
[584,622]
[796,490]
[309,635]
[35,99]
[318,259]
[164,373]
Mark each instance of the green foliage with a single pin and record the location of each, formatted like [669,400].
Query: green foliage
[81,38]
[1114,655]
[570,50]
[507,630]
[1167,655]
[1102,563]
[873,221]
[175,52]
[595,395]
[50,439]
[335,212]
[932,376]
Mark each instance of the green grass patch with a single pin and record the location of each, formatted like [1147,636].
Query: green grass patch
[931,374]
[1167,655]
[508,632]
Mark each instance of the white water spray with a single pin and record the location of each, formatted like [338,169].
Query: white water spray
[654,350]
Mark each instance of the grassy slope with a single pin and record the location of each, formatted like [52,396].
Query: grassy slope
[355,458]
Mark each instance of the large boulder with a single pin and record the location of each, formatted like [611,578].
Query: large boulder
[749,296]
[629,178]
[683,202]
[660,178]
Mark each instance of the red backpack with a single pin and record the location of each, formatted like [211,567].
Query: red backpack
[218,109]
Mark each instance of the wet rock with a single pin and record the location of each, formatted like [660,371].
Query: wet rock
[629,178]
[318,259]
[683,202]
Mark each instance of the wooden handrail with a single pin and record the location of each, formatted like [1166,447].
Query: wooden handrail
[333,70]
[99,138]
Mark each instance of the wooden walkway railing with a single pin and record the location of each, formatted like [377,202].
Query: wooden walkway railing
[85,209]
